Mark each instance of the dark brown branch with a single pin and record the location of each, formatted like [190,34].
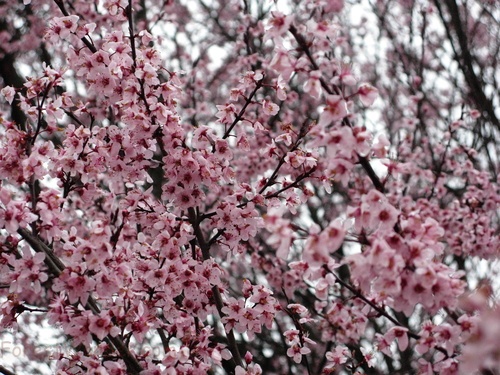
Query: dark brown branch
[465,59]
[5,371]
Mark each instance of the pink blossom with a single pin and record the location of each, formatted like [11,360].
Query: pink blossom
[298,158]
[380,147]
[75,285]
[270,108]
[61,28]
[8,92]
[296,352]
[226,114]
[384,217]
[369,356]
[252,369]
[101,326]
[313,84]
[278,24]
[281,88]
[250,78]
[334,110]
[338,356]
[341,142]
[345,77]
[400,334]
[30,272]
[367,94]
[14,214]
[223,150]
[282,63]
[160,236]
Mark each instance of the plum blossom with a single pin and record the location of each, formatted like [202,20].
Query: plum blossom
[369,356]
[29,272]
[74,284]
[338,356]
[296,352]
[381,146]
[299,157]
[475,114]
[133,214]
[61,28]
[400,334]
[313,84]
[280,88]
[341,142]
[282,63]
[345,77]
[367,94]
[322,29]
[297,348]
[226,113]
[223,150]
[269,107]
[13,214]
[10,310]
[252,369]
[8,92]
[278,24]
[101,325]
[249,79]
[334,110]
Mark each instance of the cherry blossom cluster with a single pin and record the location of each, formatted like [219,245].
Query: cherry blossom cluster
[244,188]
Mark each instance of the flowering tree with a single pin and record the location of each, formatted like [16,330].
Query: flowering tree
[247,187]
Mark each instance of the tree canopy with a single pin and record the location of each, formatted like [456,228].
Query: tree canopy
[249,187]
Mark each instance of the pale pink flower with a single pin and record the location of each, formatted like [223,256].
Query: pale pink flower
[269,107]
[334,110]
[282,63]
[281,88]
[61,28]
[296,352]
[227,113]
[222,149]
[369,357]
[400,334]
[313,84]
[252,369]
[367,94]
[384,216]
[278,24]
[8,92]
[101,325]
[339,355]
[381,146]
[250,78]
